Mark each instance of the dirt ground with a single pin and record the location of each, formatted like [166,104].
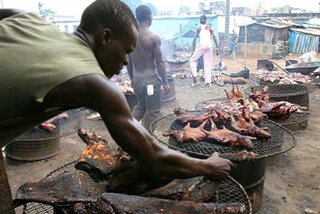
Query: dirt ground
[291,187]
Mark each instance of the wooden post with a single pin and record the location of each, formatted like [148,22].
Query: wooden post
[5,192]
[184,52]
[245,45]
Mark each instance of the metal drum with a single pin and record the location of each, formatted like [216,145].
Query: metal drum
[251,176]
[24,150]
[172,94]
[131,99]
[38,144]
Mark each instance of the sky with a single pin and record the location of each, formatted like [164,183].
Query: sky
[75,7]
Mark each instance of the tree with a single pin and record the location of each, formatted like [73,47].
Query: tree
[132,4]
[184,10]
[153,9]
[44,12]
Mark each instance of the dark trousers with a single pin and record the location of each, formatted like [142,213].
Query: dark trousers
[148,107]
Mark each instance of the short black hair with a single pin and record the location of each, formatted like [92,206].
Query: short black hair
[143,13]
[112,14]
[204,16]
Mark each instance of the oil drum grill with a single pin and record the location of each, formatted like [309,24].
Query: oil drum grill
[228,191]
[282,140]
[294,93]
[64,127]
[40,144]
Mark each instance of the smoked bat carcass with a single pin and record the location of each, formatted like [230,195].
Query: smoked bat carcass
[195,120]
[188,133]
[114,203]
[99,158]
[228,137]
[239,156]
[49,126]
[66,190]
[234,94]
[280,109]
[259,94]
[192,189]
[245,127]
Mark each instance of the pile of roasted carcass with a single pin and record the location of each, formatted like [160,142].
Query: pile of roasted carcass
[242,116]
[282,77]
[108,180]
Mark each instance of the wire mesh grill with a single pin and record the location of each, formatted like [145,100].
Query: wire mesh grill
[64,127]
[282,90]
[282,140]
[312,86]
[228,191]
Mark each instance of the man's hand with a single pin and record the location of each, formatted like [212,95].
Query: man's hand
[217,51]
[221,166]
[166,88]
[132,83]
[208,27]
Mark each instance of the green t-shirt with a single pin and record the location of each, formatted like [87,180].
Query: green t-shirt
[35,57]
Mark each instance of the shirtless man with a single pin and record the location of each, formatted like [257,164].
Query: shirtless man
[145,67]
[204,49]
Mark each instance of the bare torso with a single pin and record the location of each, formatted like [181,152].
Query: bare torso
[143,57]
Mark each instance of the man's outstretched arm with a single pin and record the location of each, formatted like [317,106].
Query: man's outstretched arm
[99,94]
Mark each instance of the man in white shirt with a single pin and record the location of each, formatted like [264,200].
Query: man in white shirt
[204,49]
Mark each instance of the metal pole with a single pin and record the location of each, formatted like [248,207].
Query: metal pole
[184,52]
[227,26]
[245,45]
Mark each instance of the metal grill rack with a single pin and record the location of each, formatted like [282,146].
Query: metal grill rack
[228,191]
[294,93]
[64,127]
[282,140]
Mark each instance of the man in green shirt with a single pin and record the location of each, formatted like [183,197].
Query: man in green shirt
[44,72]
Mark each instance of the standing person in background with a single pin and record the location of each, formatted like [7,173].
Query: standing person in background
[145,67]
[204,49]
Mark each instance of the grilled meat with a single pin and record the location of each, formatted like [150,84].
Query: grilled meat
[192,189]
[249,128]
[260,95]
[67,188]
[239,156]
[185,117]
[99,158]
[124,204]
[234,94]
[188,133]
[228,137]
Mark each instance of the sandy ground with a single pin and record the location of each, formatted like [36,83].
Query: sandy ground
[291,187]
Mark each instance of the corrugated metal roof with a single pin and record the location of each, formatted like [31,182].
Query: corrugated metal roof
[315,32]
[277,23]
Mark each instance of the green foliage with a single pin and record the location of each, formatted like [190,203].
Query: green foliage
[44,12]
[133,4]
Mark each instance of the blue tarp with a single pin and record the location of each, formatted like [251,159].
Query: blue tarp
[170,27]
[303,43]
